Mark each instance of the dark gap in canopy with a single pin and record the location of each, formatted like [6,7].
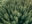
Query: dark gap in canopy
[1,21]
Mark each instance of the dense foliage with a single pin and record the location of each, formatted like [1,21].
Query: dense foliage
[16,11]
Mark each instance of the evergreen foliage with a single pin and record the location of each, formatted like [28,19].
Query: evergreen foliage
[16,11]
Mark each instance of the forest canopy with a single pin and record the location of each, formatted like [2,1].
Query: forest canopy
[16,11]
